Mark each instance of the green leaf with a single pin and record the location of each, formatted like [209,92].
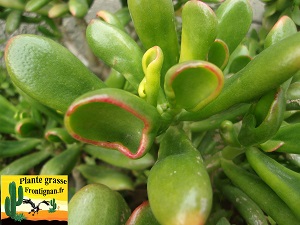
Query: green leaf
[58,134]
[235,18]
[16,4]
[115,119]
[180,168]
[150,86]
[285,140]
[23,164]
[13,148]
[63,163]
[58,10]
[260,193]
[285,182]
[196,39]
[113,179]
[13,21]
[239,63]
[265,118]
[193,84]
[47,72]
[97,204]
[7,113]
[28,127]
[282,29]
[110,18]
[117,49]
[155,26]
[270,9]
[78,8]
[296,15]
[265,72]
[250,211]
[218,54]
[142,215]
[34,5]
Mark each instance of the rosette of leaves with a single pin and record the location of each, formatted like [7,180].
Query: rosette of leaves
[193,104]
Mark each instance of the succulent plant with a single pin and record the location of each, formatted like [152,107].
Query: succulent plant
[191,114]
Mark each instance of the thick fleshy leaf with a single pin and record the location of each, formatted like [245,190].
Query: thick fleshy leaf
[115,119]
[97,204]
[241,53]
[281,5]
[285,140]
[58,10]
[150,86]
[239,63]
[28,127]
[180,167]
[123,16]
[34,5]
[53,114]
[282,29]
[296,15]
[223,221]
[270,9]
[228,132]
[47,72]
[115,80]
[260,193]
[235,17]
[265,118]
[218,54]
[199,30]
[113,179]
[248,209]
[23,164]
[142,215]
[16,4]
[265,72]
[110,18]
[13,21]
[268,23]
[63,163]
[7,113]
[13,148]
[58,134]
[193,84]
[78,8]
[117,49]
[285,182]
[155,26]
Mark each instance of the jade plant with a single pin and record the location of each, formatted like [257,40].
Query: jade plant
[190,105]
